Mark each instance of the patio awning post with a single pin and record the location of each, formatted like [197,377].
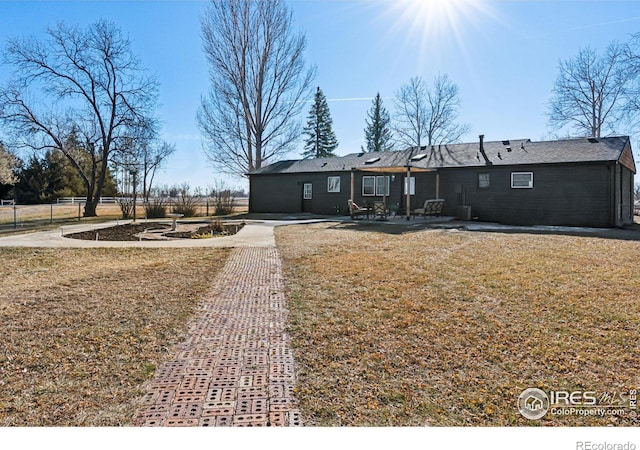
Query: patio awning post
[384,190]
[437,184]
[408,187]
[353,184]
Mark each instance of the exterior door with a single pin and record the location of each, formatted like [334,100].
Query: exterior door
[307,197]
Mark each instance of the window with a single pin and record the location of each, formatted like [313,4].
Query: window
[375,186]
[412,186]
[372,160]
[307,192]
[380,185]
[521,180]
[418,157]
[484,181]
[333,184]
[368,186]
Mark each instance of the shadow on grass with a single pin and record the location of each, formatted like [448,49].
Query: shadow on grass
[387,228]
[628,233]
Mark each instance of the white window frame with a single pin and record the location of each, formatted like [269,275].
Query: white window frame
[307,191]
[412,186]
[484,177]
[529,184]
[333,184]
[369,178]
[380,184]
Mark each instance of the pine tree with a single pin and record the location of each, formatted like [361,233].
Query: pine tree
[321,140]
[378,132]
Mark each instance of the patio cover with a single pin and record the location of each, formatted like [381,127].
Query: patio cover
[394,169]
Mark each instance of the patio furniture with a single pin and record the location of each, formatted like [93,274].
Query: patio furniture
[380,210]
[356,211]
[432,207]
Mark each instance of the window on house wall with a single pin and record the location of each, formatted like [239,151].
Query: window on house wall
[374,185]
[368,186]
[484,181]
[521,180]
[381,188]
[333,184]
[308,191]
[412,186]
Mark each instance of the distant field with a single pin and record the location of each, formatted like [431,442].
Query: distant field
[33,215]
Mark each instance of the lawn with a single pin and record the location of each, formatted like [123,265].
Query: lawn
[447,328]
[83,329]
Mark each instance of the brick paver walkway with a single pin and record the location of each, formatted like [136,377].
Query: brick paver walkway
[236,366]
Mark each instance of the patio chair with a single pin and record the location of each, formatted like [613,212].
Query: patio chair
[432,207]
[356,211]
[380,210]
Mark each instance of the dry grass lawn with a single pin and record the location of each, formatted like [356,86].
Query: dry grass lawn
[449,327]
[83,329]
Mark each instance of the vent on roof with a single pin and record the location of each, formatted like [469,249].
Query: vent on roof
[418,157]
[372,160]
[324,164]
[508,149]
[506,143]
[593,140]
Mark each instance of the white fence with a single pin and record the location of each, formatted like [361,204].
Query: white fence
[238,201]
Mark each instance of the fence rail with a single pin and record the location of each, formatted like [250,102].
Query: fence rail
[14,216]
[239,201]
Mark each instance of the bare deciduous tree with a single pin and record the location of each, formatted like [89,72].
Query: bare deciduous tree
[428,115]
[589,92]
[144,153]
[8,163]
[259,81]
[89,86]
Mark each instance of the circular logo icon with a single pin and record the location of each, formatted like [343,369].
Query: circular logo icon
[533,403]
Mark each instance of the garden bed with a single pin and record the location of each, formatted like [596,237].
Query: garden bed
[157,231]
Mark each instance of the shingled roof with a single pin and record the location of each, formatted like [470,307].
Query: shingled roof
[498,153]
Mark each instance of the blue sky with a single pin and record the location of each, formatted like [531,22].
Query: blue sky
[502,54]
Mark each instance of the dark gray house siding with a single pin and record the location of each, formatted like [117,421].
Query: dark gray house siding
[285,193]
[581,182]
[570,195]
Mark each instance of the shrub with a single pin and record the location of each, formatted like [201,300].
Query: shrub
[185,203]
[126,206]
[223,202]
[156,209]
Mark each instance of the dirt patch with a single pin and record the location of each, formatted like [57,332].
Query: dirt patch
[208,231]
[155,231]
[129,232]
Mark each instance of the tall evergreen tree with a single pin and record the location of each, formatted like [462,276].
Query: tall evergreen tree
[378,132]
[321,140]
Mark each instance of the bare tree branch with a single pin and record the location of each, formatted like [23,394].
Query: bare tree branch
[259,81]
[428,116]
[95,92]
[588,95]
